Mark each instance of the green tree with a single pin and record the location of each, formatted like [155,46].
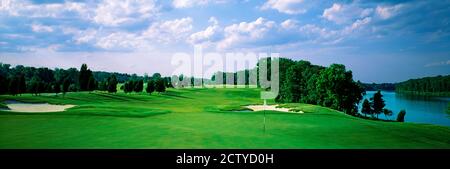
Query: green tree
[22,88]
[65,85]
[139,86]
[159,85]
[84,77]
[57,88]
[156,76]
[103,86]
[168,82]
[337,90]
[13,86]
[366,109]
[42,87]
[129,86]
[293,85]
[401,116]
[150,86]
[91,84]
[34,85]
[387,113]
[112,84]
[377,103]
[3,84]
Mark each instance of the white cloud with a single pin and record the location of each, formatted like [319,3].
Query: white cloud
[111,39]
[188,3]
[191,3]
[285,6]
[441,63]
[115,41]
[320,35]
[122,40]
[169,31]
[53,10]
[41,28]
[386,12]
[81,36]
[245,32]
[211,33]
[316,34]
[104,12]
[114,13]
[289,24]
[358,24]
[342,13]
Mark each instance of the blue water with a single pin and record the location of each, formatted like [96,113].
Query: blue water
[419,109]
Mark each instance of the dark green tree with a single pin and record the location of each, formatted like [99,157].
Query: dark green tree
[13,86]
[42,87]
[387,113]
[91,84]
[103,86]
[337,90]
[156,76]
[139,86]
[57,88]
[129,86]
[22,88]
[293,84]
[112,84]
[3,84]
[366,108]
[159,85]
[66,84]
[84,77]
[34,85]
[401,116]
[377,103]
[168,82]
[150,86]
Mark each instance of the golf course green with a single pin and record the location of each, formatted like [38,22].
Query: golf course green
[199,118]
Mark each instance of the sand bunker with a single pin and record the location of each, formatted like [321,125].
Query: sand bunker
[270,107]
[16,106]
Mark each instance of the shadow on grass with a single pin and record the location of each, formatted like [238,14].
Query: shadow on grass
[135,114]
[172,94]
[119,97]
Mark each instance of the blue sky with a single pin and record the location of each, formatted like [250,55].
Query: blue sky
[380,41]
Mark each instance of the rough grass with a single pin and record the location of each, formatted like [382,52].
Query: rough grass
[200,118]
[3,105]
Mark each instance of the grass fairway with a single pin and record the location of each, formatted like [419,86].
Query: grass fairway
[200,118]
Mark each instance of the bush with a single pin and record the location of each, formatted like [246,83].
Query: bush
[401,116]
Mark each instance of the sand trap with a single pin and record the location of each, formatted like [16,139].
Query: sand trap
[270,107]
[16,106]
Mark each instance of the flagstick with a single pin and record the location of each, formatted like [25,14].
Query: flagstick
[265,103]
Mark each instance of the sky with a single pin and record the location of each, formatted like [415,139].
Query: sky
[379,41]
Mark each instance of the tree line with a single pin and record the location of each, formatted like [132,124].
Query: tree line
[379,86]
[438,85]
[20,79]
[156,83]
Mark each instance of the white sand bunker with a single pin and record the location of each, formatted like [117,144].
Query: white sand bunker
[270,107]
[16,106]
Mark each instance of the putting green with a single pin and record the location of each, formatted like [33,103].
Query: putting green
[200,118]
